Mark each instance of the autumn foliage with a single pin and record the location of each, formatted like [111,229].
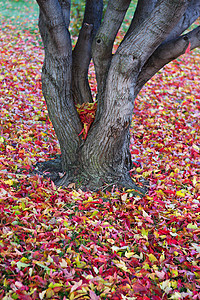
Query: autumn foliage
[68,244]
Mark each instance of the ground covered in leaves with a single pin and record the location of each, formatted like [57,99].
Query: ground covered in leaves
[64,244]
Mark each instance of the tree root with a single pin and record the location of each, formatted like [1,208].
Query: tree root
[53,169]
[139,188]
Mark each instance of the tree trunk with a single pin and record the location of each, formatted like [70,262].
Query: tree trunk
[103,159]
[106,150]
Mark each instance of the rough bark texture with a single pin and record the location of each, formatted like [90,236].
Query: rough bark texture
[143,10]
[56,80]
[104,157]
[82,53]
[81,60]
[103,44]
[107,145]
[166,53]
[190,16]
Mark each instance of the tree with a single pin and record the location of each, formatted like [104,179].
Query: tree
[154,38]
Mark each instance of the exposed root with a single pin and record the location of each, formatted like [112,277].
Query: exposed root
[78,179]
[51,169]
[139,188]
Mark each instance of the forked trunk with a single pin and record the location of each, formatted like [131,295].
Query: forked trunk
[104,159]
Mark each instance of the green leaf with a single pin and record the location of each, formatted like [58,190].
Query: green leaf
[22,265]
[192,226]
[43,266]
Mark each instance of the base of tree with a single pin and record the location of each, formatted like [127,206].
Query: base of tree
[78,179]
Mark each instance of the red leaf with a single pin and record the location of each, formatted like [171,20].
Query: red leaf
[188,48]
[138,287]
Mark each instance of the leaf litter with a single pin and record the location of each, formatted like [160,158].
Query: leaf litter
[60,243]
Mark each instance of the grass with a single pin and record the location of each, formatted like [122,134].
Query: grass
[18,12]
[25,12]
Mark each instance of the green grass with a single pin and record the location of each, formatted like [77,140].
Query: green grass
[25,12]
[20,12]
[129,15]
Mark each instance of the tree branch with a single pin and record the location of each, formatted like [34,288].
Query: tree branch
[56,79]
[54,21]
[82,52]
[166,53]
[81,60]
[143,11]
[93,14]
[65,6]
[190,16]
[103,42]
[145,38]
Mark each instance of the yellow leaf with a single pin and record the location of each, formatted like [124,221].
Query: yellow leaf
[146,267]
[111,241]
[41,295]
[192,226]
[65,263]
[71,297]
[174,284]
[124,197]
[162,257]
[145,215]
[180,194]
[79,264]
[165,285]
[9,182]
[194,181]
[129,254]
[152,258]
[197,274]
[5,282]
[174,272]
[121,264]
[23,259]
[49,293]
[144,233]
[23,205]
[53,285]
[176,296]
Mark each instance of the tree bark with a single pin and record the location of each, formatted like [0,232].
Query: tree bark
[65,6]
[81,60]
[143,10]
[56,80]
[106,150]
[190,16]
[82,52]
[104,157]
[103,44]
[166,53]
